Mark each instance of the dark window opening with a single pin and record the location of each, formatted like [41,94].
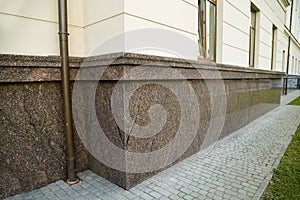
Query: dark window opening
[253,17]
[274,48]
[207,29]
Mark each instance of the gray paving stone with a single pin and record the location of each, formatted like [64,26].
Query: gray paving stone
[165,193]
[163,198]
[27,196]
[230,192]
[242,196]
[193,188]
[146,196]
[250,194]
[210,195]
[218,193]
[226,196]
[203,192]
[61,183]
[156,195]
[188,197]
[217,198]
[235,185]
[185,190]
[181,194]
[174,197]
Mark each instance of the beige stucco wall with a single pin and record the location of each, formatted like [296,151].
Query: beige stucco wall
[31,26]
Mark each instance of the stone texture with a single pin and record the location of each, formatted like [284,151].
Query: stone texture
[32,141]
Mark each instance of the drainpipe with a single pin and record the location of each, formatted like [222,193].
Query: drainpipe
[287,68]
[65,76]
[289,48]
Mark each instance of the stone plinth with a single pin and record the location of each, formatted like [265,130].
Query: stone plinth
[138,101]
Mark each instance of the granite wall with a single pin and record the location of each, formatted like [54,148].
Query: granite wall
[293,82]
[32,140]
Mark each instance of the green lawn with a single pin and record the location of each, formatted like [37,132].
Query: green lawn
[285,183]
[295,102]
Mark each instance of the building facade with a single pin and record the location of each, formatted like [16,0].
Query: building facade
[221,60]
[247,33]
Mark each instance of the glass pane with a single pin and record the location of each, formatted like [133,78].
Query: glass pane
[253,18]
[252,46]
[273,55]
[201,27]
[211,30]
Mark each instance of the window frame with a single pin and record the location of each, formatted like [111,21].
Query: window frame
[250,42]
[203,55]
[253,28]
[274,47]
[283,60]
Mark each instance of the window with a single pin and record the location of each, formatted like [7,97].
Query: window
[274,48]
[292,67]
[252,35]
[283,60]
[207,29]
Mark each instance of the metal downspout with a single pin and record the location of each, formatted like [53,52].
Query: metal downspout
[65,76]
[287,68]
[288,56]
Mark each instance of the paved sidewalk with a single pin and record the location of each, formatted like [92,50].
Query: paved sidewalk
[285,99]
[237,167]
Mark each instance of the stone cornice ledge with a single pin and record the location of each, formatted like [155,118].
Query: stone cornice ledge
[17,68]
[10,60]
